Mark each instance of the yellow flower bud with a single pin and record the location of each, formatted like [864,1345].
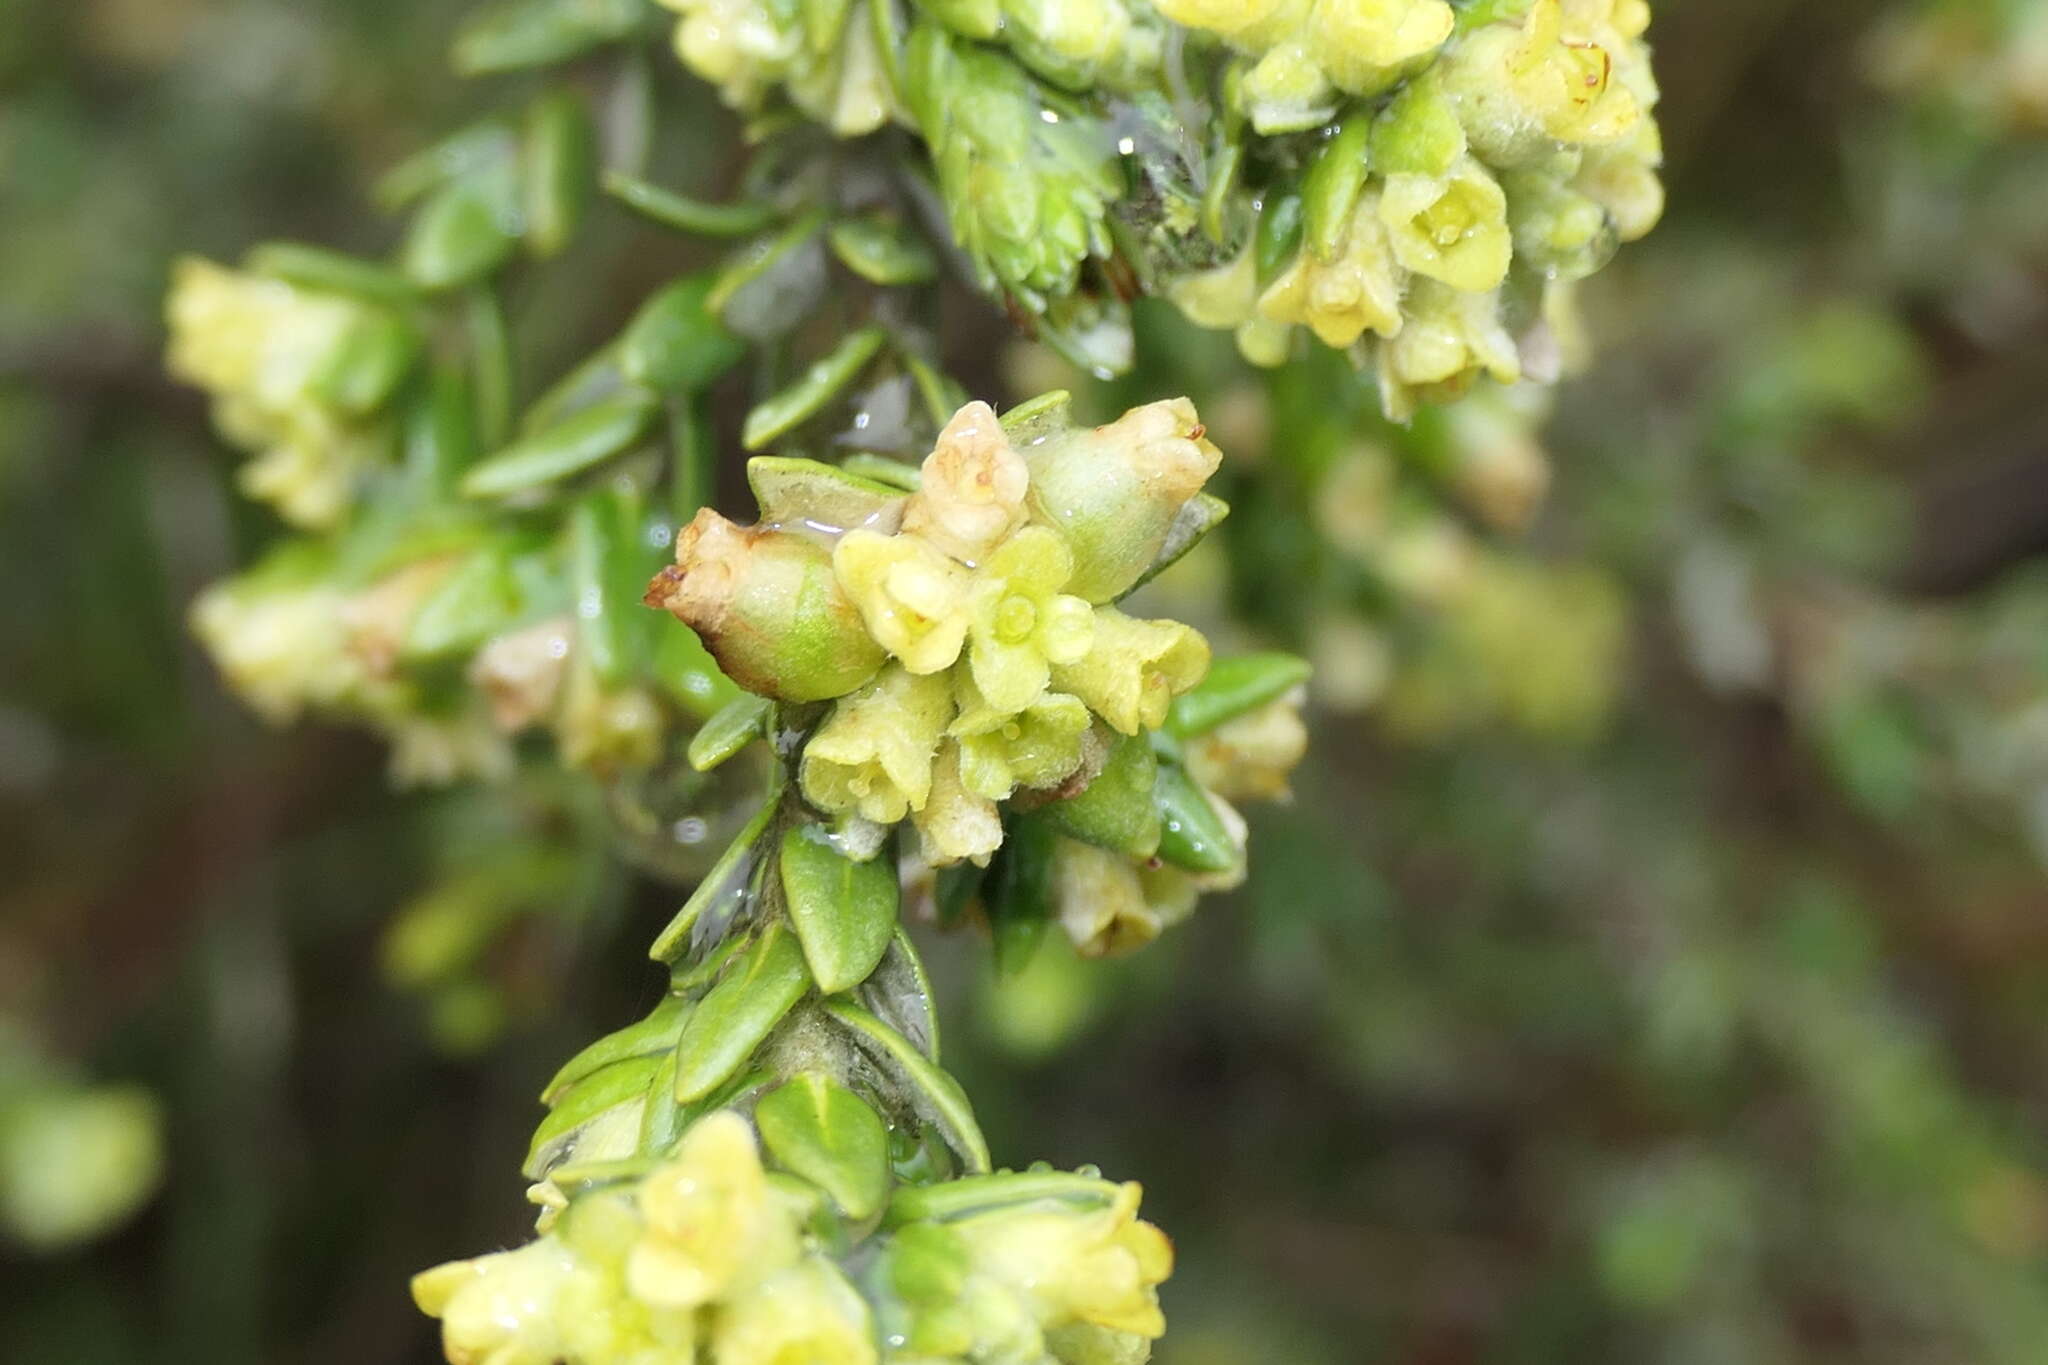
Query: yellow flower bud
[1451,339]
[769,608]
[956,823]
[873,755]
[913,598]
[1355,291]
[1113,491]
[1452,228]
[499,1309]
[1104,904]
[1360,43]
[972,493]
[1101,1267]
[1522,90]
[1135,669]
[805,1315]
[713,1224]
[520,673]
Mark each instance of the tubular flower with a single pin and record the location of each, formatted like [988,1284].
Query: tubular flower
[913,597]
[297,376]
[873,755]
[805,1315]
[1355,291]
[712,1223]
[1452,228]
[499,1309]
[1038,746]
[1101,1267]
[1249,757]
[1522,89]
[1020,623]
[1134,669]
[1451,340]
[956,823]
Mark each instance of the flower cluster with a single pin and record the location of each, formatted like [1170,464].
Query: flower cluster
[1475,176]
[824,55]
[964,633]
[300,378]
[1986,58]
[711,1255]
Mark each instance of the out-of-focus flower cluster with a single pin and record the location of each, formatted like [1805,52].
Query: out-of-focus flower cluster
[709,1254]
[1418,184]
[1988,58]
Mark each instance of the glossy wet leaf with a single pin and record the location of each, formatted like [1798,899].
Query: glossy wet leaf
[1191,834]
[899,993]
[675,342]
[1198,516]
[936,1095]
[816,1128]
[806,493]
[656,1033]
[737,724]
[1235,684]
[722,888]
[1330,190]
[587,438]
[843,911]
[598,1114]
[761,986]
[1116,810]
[779,414]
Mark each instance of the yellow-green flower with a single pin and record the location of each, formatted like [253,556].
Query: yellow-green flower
[956,824]
[1020,623]
[1355,291]
[280,646]
[713,1223]
[805,1315]
[499,1309]
[1522,90]
[521,673]
[1038,746]
[433,750]
[746,49]
[913,597]
[1109,904]
[1101,1266]
[1135,669]
[1452,227]
[1359,42]
[607,728]
[971,494]
[1451,339]
[873,755]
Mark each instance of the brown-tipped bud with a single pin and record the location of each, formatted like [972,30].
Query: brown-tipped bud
[972,494]
[769,608]
[1112,491]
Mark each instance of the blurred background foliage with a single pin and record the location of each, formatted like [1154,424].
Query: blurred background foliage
[1650,966]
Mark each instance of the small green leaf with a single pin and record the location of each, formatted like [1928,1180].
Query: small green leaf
[722,888]
[458,236]
[760,256]
[816,1128]
[738,723]
[1418,132]
[686,214]
[516,34]
[656,1033]
[1279,236]
[560,154]
[881,251]
[593,381]
[476,598]
[597,1118]
[936,1095]
[374,354]
[589,437]
[1330,190]
[777,415]
[970,18]
[968,1195]
[1018,896]
[763,984]
[882,469]
[609,563]
[1191,834]
[1198,516]
[461,153]
[1115,811]
[675,342]
[1236,684]
[806,493]
[440,435]
[1035,418]
[843,911]
[685,670]
[336,272]
[490,364]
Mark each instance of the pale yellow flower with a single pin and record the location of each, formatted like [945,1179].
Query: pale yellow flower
[1452,227]
[806,1314]
[1039,746]
[1250,757]
[1355,291]
[1101,1266]
[713,1224]
[499,1309]
[520,673]
[1020,623]
[913,597]
[1135,669]
[873,755]
[956,823]
[281,647]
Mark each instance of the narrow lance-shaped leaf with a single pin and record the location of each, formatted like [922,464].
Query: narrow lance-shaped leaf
[1115,811]
[675,342]
[721,888]
[475,599]
[843,911]
[589,437]
[317,267]
[656,1033]
[882,251]
[461,233]
[1331,188]
[1198,516]
[737,724]
[598,1117]
[798,493]
[739,1013]
[560,155]
[777,415]
[609,562]
[1191,834]
[516,34]
[899,993]
[816,1128]
[936,1095]
[1235,685]
[685,214]
[440,435]
[1018,896]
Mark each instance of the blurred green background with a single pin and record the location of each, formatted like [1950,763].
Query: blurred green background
[1652,965]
